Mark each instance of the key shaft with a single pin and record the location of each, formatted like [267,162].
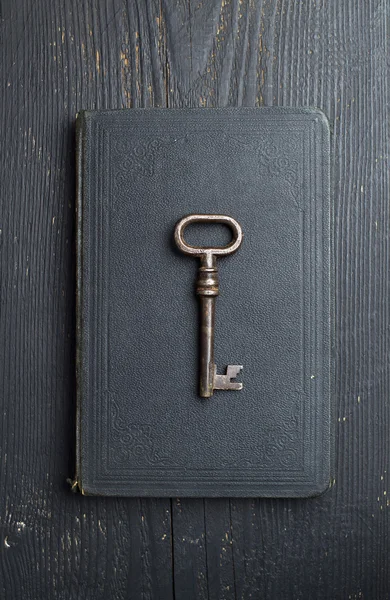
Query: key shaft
[207,288]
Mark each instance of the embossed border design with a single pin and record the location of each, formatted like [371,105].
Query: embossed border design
[99,375]
[140,160]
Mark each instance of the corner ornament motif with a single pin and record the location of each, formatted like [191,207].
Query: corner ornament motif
[134,442]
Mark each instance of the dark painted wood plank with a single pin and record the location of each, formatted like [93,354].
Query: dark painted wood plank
[219,546]
[189,549]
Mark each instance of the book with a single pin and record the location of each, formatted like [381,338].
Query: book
[142,429]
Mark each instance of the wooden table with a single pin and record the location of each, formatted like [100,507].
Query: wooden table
[60,56]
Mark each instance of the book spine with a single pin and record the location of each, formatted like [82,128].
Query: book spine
[80,136]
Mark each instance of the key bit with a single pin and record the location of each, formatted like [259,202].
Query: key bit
[207,288]
[224,382]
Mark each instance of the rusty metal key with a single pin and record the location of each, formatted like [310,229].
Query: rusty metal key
[207,288]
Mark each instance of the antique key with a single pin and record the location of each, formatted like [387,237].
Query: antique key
[207,288]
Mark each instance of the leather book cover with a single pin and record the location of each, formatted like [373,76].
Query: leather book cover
[142,428]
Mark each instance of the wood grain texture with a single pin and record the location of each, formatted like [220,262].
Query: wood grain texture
[58,57]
